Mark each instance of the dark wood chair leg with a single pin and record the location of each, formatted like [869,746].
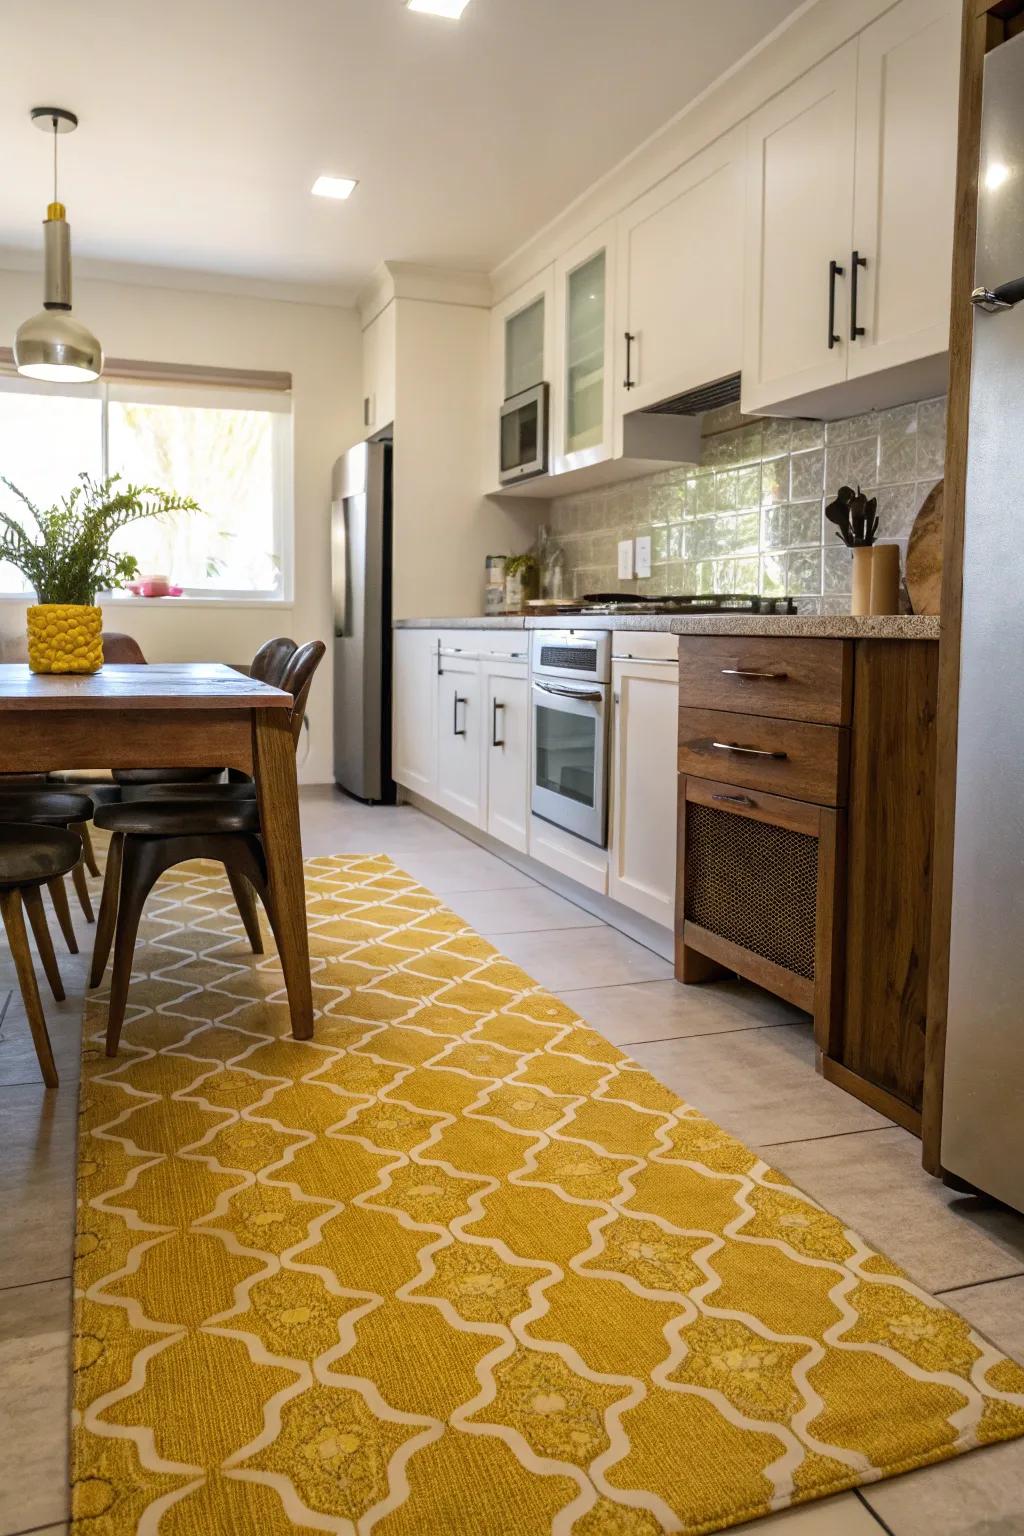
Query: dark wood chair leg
[88,852]
[143,861]
[33,903]
[108,911]
[59,897]
[245,901]
[82,889]
[17,938]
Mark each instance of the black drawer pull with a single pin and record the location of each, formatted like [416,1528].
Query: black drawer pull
[459,699]
[495,706]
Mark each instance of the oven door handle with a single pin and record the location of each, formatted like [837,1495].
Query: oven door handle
[570,693]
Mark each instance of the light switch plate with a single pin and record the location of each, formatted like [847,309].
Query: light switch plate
[643,556]
[625,559]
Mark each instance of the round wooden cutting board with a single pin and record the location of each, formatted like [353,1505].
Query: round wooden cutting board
[924,555]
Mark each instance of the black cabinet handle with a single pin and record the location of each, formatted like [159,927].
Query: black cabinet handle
[458,699]
[629,382]
[856,260]
[495,706]
[440,669]
[834,271]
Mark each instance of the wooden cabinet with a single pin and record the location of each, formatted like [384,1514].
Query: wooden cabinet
[642,860]
[506,748]
[414,705]
[760,882]
[907,88]
[460,738]
[850,213]
[680,279]
[810,874]
[379,371]
[800,219]
[583,404]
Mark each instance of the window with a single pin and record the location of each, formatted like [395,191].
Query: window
[229,449]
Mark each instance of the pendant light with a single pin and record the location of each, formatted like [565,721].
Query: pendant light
[53,345]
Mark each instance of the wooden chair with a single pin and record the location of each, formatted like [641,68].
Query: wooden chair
[30,857]
[157,826]
[47,805]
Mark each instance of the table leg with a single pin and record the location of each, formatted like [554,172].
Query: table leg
[278,795]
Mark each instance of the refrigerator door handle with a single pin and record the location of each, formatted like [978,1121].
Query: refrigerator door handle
[339,566]
[992,300]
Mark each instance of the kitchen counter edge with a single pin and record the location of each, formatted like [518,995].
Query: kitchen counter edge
[840,626]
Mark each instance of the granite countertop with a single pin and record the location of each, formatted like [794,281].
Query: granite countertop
[843,626]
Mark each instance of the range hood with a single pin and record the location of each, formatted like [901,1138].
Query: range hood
[694,402]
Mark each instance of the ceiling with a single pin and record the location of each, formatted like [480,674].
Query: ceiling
[205,122]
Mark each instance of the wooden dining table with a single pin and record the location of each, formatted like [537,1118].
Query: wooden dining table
[176,715]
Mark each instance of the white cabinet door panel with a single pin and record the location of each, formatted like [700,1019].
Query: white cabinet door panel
[907,89]
[459,740]
[642,844]
[414,697]
[800,164]
[680,278]
[506,726]
[584,397]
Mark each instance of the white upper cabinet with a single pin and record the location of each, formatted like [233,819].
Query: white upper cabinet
[584,351]
[907,88]
[679,319]
[379,371]
[799,234]
[851,175]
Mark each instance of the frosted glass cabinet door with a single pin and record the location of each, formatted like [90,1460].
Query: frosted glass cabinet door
[524,349]
[584,289]
[585,359]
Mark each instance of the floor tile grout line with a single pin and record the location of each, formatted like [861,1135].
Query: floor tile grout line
[25,1285]
[704,1034]
[800,1141]
[874,1513]
[974,1285]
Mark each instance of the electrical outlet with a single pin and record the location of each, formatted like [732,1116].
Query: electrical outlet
[643,556]
[625,559]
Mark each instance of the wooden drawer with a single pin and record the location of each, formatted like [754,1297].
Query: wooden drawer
[764,675]
[783,757]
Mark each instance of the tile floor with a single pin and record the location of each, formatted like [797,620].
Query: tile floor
[739,1055]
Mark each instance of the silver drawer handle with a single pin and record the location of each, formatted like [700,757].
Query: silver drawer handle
[735,799]
[732,746]
[772,677]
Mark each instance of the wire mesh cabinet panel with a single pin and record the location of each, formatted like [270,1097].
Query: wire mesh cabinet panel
[760,879]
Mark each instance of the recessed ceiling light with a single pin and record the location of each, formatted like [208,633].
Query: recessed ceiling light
[334,186]
[453,9]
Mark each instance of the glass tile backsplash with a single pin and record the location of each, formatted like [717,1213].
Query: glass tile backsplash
[750,517]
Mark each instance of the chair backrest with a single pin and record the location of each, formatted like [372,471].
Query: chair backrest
[270,661]
[121,649]
[298,677]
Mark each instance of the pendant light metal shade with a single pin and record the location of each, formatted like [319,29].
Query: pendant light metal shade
[53,345]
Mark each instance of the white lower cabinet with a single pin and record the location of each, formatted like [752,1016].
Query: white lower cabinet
[642,819]
[414,694]
[459,739]
[507,752]
[462,740]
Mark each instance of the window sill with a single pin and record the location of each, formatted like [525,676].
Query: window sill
[143,603]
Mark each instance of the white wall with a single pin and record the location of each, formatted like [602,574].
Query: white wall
[321,347]
[444,528]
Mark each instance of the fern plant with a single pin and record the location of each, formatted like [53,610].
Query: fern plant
[72,560]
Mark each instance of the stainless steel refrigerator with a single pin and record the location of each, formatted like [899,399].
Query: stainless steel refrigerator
[983,1101]
[361,579]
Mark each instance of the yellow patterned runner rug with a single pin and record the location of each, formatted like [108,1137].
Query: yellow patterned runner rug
[459,1267]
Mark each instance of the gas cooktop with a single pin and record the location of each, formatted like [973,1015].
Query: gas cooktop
[717,602]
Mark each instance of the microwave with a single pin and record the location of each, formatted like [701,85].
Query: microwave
[524,435]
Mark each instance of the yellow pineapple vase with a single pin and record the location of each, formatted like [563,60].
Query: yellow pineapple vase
[65,637]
